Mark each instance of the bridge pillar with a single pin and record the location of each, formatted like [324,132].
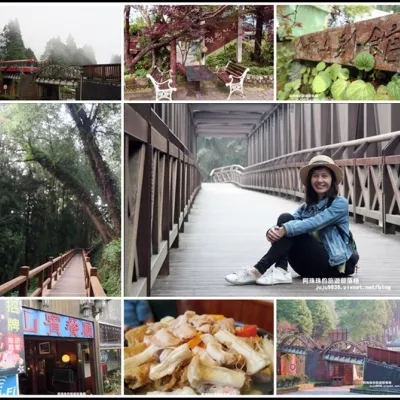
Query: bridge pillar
[28,89]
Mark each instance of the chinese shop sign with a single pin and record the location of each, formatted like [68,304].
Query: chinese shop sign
[379,36]
[12,357]
[40,323]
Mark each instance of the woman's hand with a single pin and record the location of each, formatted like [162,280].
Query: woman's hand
[275,233]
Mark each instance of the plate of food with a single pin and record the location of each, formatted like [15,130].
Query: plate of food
[197,355]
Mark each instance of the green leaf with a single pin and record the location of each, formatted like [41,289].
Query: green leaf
[288,87]
[359,90]
[321,66]
[321,96]
[321,82]
[311,79]
[314,72]
[364,61]
[382,96]
[281,95]
[344,73]
[303,70]
[393,89]
[308,70]
[334,71]
[338,88]
[305,79]
[382,89]
[296,84]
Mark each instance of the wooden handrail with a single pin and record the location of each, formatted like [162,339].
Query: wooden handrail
[51,269]
[93,286]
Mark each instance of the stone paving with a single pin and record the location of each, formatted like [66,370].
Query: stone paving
[210,90]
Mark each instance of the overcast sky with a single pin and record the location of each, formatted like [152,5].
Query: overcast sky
[98,25]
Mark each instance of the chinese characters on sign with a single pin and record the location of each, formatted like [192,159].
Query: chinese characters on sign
[40,323]
[12,357]
[379,36]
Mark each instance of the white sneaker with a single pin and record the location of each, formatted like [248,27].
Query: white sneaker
[274,276]
[242,277]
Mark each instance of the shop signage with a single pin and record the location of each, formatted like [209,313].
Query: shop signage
[12,357]
[41,323]
[8,385]
[110,334]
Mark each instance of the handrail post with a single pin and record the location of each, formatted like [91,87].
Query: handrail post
[93,272]
[87,275]
[23,287]
[50,268]
[60,268]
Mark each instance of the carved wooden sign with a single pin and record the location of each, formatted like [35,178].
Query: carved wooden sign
[216,37]
[379,36]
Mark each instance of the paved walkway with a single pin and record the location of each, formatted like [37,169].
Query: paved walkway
[324,391]
[210,90]
[71,283]
[226,231]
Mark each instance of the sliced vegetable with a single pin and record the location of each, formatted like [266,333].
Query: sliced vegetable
[247,331]
[195,341]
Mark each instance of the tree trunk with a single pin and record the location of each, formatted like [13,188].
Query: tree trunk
[127,38]
[102,173]
[77,189]
[173,62]
[258,38]
[153,59]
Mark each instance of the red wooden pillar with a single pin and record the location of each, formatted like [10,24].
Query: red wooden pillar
[173,62]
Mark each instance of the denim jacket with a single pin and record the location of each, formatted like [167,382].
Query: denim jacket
[330,222]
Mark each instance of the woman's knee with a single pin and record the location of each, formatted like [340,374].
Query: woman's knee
[285,217]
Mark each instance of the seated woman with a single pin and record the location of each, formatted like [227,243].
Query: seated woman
[314,239]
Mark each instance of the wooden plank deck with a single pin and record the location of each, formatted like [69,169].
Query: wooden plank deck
[226,231]
[71,283]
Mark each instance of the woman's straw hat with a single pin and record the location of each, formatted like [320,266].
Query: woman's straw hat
[321,161]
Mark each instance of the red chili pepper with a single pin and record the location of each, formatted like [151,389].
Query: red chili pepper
[247,331]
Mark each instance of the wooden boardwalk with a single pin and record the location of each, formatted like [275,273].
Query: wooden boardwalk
[226,231]
[71,283]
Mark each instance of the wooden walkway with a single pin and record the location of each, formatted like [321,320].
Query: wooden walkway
[226,231]
[71,283]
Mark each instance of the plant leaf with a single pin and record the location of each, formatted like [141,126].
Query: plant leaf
[393,89]
[303,70]
[344,73]
[288,87]
[382,89]
[364,61]
[314,72]
[320,66]
[321,82]
[338,89]
[296,84]
[359,90]
[334,71]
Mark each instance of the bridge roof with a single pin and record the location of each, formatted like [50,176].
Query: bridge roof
[228,120]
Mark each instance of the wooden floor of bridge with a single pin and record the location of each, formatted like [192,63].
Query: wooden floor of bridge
[71,283]
[226,231]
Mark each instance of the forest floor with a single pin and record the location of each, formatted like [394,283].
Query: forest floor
[209,91]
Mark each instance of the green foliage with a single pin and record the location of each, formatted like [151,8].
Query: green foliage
[364,61]
[213,153]
[261,71]
[323,82]
[109,267]
[140,72]
[284,63]
[295,312]
[39,214]
[112,383]
[322,319]
[11,43]
[365,318]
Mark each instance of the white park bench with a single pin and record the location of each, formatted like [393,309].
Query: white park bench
[163,87]
[233,76]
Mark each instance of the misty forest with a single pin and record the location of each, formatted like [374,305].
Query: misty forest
[60,186]
[12,47]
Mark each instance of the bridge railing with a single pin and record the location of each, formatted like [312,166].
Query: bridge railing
[102,72]
[371,184]
[48,273]
[162,180]
[93,286]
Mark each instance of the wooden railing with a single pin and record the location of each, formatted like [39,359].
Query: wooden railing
[47,274]
[371,184]
[93,286]
[102,72]
[161,182]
